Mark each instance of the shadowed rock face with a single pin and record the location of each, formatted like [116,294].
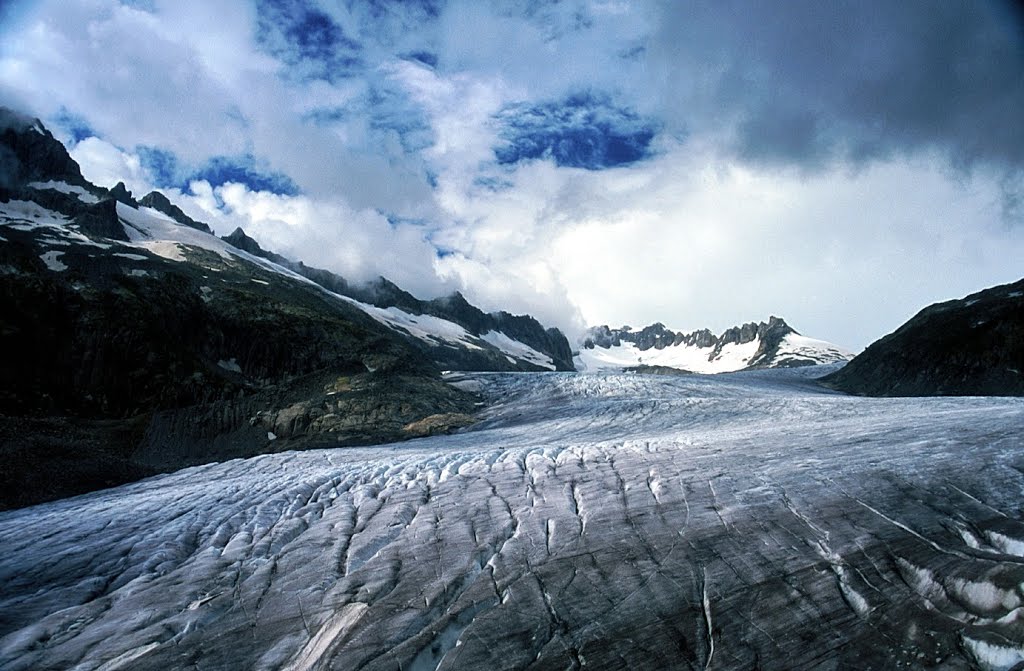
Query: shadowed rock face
[747,521]
[29,152]
[656,336]
[971,346]
[202,374]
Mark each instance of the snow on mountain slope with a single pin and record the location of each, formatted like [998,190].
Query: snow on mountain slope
[695,359]
[516,349]
[427,328]
[153,231]
[749,520]
[796,348]
[63,187]
[772,344]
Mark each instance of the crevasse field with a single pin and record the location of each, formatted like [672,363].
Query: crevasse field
[598,521]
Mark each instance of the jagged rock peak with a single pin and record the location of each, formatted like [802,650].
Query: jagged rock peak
[30,153]
[771,344]
[121,194]
[161,203]
[657,336]
[239,239]
[101,220]
[775,327]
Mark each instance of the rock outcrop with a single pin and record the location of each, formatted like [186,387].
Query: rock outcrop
[454,308]
[159,201]
[973,346]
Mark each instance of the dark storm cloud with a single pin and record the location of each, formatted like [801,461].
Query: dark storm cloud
[805,82]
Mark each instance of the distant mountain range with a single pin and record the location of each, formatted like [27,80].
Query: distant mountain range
[771,344]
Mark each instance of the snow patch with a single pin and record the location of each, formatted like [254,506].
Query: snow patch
[812,350]
[427,328]
[983,596]
[164,248]
[517,349]
[51,261]
[26,215]
[993,657]
[230,365]
[1010,546]
[153,230]
[64,187]
[133,257]
[733,357]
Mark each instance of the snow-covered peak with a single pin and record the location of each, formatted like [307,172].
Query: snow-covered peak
[771,344]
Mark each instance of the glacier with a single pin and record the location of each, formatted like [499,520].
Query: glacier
[600,521]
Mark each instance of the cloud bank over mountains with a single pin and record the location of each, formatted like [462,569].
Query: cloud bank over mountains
[593,161]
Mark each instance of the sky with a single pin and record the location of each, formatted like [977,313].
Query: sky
[700,164]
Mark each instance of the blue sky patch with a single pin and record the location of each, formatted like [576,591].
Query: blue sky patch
[425,57]
[73,125]
[421,9]
[165,170]
[308,40]
[582,131]
[492,183]
[161,165]
[391,112]
[242,170]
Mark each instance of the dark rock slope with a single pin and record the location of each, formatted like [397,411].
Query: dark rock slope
[120,361]
[973,346]
[454,308]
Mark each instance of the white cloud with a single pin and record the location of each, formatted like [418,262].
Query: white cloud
[117,66]
[843,257]
[746,209]
[105,165]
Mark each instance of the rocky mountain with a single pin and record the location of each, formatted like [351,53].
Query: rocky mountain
[491,328]
[973,346]
[136,341]
[771,344]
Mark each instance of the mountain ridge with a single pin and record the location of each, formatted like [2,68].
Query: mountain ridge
[145,343]
[751,345]
[970,346]
[454,307]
